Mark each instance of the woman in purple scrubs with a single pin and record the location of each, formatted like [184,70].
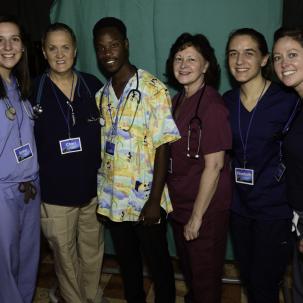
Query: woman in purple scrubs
[288,65]
[19,189]
[199,180]
[261,218]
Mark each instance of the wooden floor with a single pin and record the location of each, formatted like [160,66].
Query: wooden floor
[113,288]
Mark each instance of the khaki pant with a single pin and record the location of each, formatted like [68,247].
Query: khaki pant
[76,238]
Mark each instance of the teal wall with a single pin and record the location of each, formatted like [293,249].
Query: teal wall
[153,25]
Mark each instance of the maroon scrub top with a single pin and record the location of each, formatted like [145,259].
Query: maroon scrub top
[184,180]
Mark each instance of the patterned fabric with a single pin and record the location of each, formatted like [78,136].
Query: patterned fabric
[125,178]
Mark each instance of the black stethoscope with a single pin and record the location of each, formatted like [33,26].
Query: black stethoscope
[38,109]
[133,94]
[194,120]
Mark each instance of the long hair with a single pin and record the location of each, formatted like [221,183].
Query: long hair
[20,70]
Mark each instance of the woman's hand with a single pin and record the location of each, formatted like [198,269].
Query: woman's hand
[29,190]
[191,229]
[300,246]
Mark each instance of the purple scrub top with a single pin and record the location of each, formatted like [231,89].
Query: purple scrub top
[10,131]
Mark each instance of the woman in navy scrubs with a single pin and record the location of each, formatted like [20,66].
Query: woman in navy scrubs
[68,142]
[261,218]
[199,182]
[288,64]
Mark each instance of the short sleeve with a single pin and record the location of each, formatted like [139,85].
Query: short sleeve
[162,125]
[216,132]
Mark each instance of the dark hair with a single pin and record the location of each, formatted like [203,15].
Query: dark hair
[261,43]
[57,26]
[295,33]
[20,70]
[110,22]
[202,45]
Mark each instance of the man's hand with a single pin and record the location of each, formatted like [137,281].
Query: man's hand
[150,213]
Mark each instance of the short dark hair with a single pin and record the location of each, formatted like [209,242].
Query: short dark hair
[202,45]
[295,33]
[261,43]
[58,26]
[21,69]
[110,22]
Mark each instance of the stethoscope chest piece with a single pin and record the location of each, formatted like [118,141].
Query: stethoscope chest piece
[102,121]
[10,113]
[38,110]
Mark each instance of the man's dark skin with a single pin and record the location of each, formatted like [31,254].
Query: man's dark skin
[112,53]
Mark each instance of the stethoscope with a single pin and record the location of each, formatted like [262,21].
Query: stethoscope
[133,94]
[38,109]
[11,112]
[194,120]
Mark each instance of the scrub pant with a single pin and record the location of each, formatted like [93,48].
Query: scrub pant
[132,238]
[202,259]
[19,244]
[76,238]
[262,249]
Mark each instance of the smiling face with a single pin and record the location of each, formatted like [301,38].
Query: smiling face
[112,50]
[288,62]
[245,59]
[189,67]
[60,51]
[11,47]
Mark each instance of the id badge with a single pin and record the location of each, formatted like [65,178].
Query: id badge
[170,165]
[23,152]
[280,171]
[71,145]
[110,148]
[244,176]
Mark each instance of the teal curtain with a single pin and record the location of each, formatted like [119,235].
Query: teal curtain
[153,25]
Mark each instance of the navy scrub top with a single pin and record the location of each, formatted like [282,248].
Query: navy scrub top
[266,199]
[70,179]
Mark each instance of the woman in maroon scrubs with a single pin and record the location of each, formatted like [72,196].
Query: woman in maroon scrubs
[199,180]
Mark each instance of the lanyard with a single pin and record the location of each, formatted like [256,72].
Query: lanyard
[19,123]
[114,123]
[244,144]
[126,92]
[286,128]
[68,102]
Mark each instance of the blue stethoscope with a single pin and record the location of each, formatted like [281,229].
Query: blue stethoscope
[133,94]
[194,120]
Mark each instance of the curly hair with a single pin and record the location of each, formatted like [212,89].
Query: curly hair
[202,45]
